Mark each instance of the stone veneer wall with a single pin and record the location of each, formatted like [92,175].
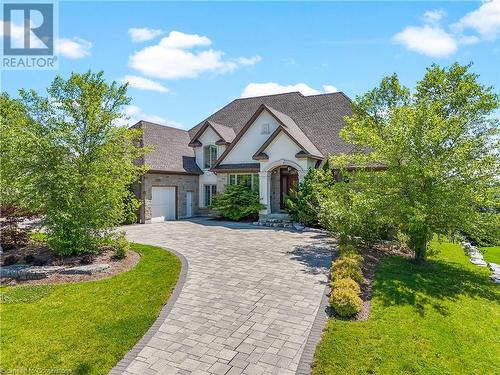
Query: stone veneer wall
[184,183]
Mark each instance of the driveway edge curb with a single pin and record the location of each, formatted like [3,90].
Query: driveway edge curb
[120,367]
[319,323]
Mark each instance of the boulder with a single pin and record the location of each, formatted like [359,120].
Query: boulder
[88,269]
[41,272]
[496,278]
[494,267]
[478,262]
[298,227]
[13,271]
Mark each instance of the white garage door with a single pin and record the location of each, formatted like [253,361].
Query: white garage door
[163,203]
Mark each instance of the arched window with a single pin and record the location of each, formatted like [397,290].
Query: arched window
[209,156]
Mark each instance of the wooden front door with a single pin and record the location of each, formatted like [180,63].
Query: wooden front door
[286,183]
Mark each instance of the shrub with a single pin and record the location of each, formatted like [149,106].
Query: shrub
[302,201]
[12,234]
[39,262]
[87,259]
[130,207]
[236,203]
[11,259]
[346,248]
[345,302]
[347,267]
[346,283]
[121,246]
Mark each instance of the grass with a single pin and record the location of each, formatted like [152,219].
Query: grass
[439,318]
[85,328]
[491,254]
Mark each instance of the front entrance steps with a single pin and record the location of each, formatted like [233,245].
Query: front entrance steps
[278,220]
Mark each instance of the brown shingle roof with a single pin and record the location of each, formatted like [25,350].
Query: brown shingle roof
[296,133]
[319,117]
[225,133]
[171,152]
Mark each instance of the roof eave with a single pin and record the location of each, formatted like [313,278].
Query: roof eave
[195,144]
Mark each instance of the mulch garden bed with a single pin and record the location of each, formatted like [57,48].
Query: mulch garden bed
[37,254]
[372,255]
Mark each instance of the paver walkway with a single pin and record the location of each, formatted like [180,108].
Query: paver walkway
[247,304]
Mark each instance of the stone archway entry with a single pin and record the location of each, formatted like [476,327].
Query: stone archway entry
[282,180]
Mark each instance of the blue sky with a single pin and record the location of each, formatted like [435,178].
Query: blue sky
[203,55]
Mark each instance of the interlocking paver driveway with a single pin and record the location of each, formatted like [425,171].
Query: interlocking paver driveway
[248,303]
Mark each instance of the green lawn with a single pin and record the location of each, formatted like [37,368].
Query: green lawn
[442,318]
[85,327]
[492,254]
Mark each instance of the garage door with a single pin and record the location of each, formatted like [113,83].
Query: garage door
[163,203]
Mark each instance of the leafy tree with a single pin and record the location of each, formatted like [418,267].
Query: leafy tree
[438,146]
[302,201]
[237,202]
[71,161]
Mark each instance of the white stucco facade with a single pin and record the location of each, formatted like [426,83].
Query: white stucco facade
[209,137]
[281,152]
[253,138]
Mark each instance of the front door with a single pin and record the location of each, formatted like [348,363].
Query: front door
[287,181]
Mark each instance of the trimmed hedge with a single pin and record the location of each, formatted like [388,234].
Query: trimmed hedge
[345,302]
[347,268]
[346,283]
[346,275]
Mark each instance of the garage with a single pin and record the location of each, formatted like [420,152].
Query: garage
[163,203]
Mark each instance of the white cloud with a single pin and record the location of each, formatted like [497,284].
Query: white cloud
[16,33]
[142,83]
[485,20]
[270,88]
[427,40]
[75,48]
[248,60]
[433,40]
[330,89]
[179,40]
[173,58]
[434,16]
[134,114]
[142,34]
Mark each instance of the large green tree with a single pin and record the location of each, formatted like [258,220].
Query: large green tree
[66,157]
[429,162]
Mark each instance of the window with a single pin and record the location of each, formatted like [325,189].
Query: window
[265,129]
[210,191]
[251,181]
[209,156]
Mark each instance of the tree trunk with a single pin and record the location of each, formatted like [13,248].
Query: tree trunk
[419,240]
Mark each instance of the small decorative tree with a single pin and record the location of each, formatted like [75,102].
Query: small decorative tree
[72,162]
[236,203]
[303,200]
[438,147]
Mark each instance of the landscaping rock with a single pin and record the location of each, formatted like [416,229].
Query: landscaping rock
[88,269]
[477,256]
[13,271]
[495,277]
[494,267]
[35,273]
[478,262]
[298,227]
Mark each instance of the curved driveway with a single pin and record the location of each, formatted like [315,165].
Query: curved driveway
[247,305]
